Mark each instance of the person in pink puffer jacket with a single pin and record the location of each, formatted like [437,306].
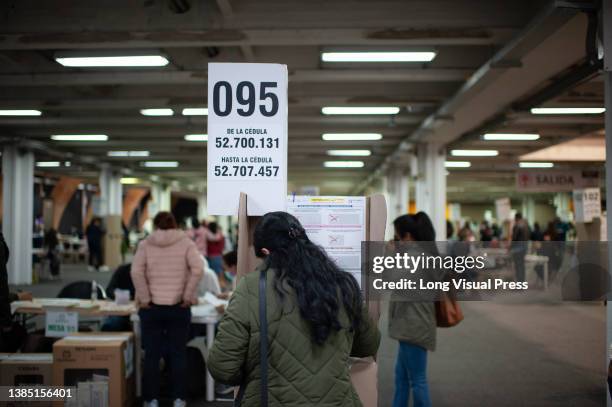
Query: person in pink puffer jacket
[166,271]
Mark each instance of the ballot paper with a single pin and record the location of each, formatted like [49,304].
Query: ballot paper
[213,300]
[336,223]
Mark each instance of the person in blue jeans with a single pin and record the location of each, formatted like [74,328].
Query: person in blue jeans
[413,323]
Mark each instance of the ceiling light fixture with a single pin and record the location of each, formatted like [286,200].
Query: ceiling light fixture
[474,153]
[349,153]
[351,136]
[528,164]
[48,164]
[510,137]
[339,110]
[343,164]
[20,112]
[568,110]
[457,164]
[113,61]
[160,164]
[156,112]
[128,153]
[195,111]
[196,137]
[79,137]
[129,181]
[372,56]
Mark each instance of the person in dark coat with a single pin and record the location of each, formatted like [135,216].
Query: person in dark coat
[95,233]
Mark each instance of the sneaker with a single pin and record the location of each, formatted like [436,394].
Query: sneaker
[179,403]
[152,403]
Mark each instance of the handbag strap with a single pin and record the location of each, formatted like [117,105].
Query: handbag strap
[263,338]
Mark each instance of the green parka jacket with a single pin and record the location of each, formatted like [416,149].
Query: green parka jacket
[300,373]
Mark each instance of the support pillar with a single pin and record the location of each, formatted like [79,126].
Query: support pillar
[111,193]
[160,199]
[607,43]
[396,186]
[202,207]
[562,202]
[430,186]
[529,210]
[18,212]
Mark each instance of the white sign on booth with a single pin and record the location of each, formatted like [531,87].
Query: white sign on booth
[503,209]
[247,137]
[587,204]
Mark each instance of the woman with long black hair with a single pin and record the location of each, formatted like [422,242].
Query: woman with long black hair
[413,323]
[315,316]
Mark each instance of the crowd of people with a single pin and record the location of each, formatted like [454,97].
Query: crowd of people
[310,306]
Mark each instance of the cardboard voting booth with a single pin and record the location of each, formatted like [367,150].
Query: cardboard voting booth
[364,372]
[99,365]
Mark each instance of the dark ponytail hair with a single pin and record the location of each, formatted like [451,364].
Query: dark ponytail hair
[317,281]
[419,226]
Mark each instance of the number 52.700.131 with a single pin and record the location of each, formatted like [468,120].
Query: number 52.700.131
[246,171]
[246,142]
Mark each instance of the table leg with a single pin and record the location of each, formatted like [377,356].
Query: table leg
[210,382]
[138,354]
[545,275]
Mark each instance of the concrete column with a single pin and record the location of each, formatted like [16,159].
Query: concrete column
[607,42]
[111,192]
[202,207]
[397,186]
[160,199]
[528,210]
[18,212]
[430,188]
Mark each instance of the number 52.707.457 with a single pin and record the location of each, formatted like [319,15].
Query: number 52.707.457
[245,171]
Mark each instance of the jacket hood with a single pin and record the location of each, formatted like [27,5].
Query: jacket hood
[164,238]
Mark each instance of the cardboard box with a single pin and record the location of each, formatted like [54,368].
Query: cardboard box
[27,369]
[100,365]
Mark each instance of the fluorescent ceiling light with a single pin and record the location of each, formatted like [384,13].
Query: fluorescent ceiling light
[160,164]
[568,110]
[156,112]
[129,181]
[526,164]
[195,111]
[196,137]
[351,136]
[390,56]
[343,164]
[331,110]
[128,153]
[457,164]
[20,112]
[349,153]
[510,137]
[116,61]
[474,153]
[48,164]
[79,137]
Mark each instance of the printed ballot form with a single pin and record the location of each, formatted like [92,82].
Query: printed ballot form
[247,137]
[336,223]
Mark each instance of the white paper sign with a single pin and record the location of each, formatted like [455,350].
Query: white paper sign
[336,223]
[587,204]
[61,323]
[247,137]
[503,209]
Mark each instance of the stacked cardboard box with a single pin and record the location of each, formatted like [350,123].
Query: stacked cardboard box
[99,365]
[26,369]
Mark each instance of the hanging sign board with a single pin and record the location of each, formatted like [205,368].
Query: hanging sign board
[336,223]
[556,181]
[60,323]
[247,137]
[587,204]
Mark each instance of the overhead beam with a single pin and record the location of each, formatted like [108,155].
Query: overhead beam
[178,38]
[165,77]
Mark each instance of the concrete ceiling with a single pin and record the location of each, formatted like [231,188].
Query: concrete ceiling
[465,86]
